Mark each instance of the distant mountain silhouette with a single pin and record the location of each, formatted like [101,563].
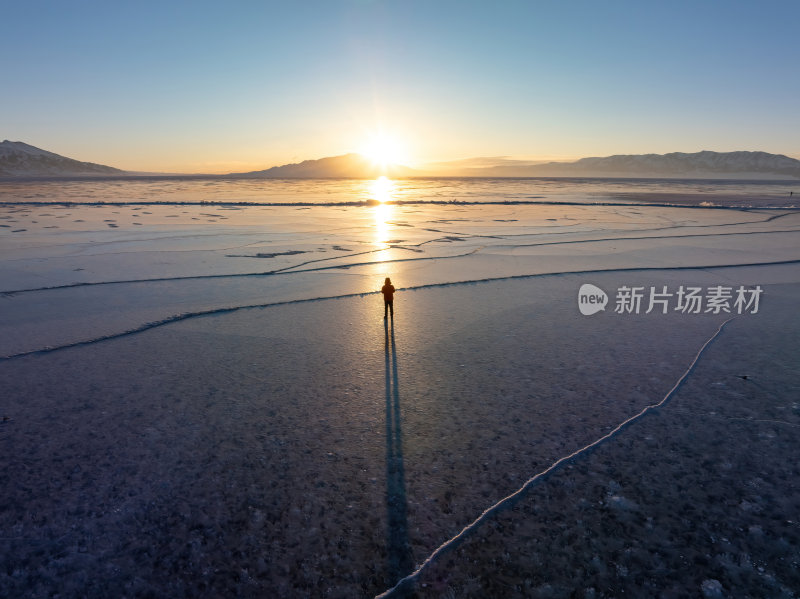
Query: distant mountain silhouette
[349,166]
[18,159]
[700,165]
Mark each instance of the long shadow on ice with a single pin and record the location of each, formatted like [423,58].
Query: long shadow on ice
[398,549]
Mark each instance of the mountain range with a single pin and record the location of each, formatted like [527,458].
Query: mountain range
[349,166]
[18,159]
[698,165]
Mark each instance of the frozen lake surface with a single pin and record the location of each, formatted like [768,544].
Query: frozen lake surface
[226,190]
[204,399]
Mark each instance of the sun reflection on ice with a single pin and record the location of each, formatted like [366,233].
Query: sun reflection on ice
[381,190]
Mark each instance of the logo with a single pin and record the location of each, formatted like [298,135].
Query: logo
[715,299]
[591,299]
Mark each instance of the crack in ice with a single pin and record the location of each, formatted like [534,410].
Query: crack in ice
[405,583]
[229,309]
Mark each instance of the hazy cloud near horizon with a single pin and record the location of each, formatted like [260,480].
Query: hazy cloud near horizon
[192,87]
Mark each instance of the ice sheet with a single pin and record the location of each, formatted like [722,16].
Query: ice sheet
[274,439]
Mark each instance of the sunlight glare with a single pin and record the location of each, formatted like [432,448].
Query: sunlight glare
[381,191]
[384,150]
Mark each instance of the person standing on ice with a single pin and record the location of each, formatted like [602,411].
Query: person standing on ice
[388,298]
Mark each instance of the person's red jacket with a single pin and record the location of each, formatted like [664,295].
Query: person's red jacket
[388,292]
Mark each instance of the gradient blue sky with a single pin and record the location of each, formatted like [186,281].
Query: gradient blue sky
[217,87]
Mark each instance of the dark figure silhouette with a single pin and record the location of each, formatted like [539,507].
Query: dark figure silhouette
[388,298]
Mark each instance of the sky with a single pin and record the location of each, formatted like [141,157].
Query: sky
[213,87]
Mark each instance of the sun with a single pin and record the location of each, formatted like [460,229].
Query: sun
[384,150]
